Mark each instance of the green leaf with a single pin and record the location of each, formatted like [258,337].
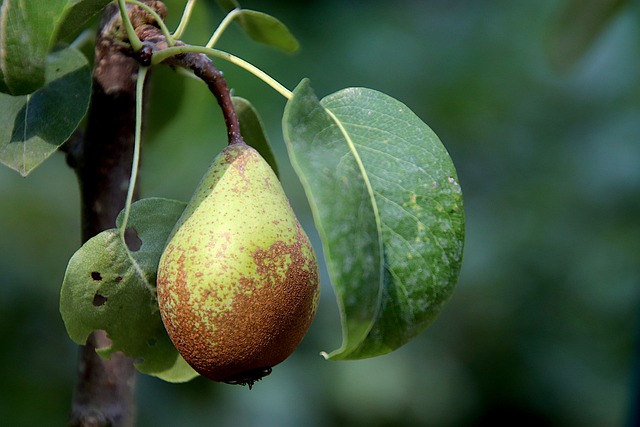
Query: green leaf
[28,30]
[252,130]
[388,207]
[34,125]
[26,34]
[262,27]
[107,286]
[77,14]
[577,27]
[266,29]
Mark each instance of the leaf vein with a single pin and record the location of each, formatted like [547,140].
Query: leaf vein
[374,207]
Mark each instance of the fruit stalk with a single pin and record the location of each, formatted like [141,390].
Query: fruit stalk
[204,69]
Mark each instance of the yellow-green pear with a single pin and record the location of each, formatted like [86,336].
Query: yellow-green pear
[238,280]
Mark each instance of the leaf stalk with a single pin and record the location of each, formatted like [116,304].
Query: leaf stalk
[186,15]
[164,54]
[142,74]
[222,27]
[135,42]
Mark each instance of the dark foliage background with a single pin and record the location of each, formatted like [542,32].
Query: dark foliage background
[541,328]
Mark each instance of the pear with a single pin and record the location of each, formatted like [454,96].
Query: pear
[238,280]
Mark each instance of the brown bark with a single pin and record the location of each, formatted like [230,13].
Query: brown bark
[105,389]
[102,158]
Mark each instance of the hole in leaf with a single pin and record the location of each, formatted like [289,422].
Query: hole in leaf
[99,300]
[95,275]
[132,240]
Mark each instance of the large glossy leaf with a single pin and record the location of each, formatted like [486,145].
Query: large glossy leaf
[26,32]
[33,126]
[388,207]
[252,130]
[110,287]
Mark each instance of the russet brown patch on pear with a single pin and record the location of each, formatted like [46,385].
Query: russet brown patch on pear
[238,282]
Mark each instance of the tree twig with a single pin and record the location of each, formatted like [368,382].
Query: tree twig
[102,158]
[105,389]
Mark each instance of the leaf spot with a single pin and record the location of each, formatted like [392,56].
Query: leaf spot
[96,276]
[99,300]
[132,240]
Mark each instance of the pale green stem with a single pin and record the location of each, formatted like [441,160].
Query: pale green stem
[142,73]
[136,44]
[223,26]
[163,27]
[186,15]
[160,56]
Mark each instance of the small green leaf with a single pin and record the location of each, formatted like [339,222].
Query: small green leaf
[77,14]
[26,34]
[252,130]
[266,29]
[111,287]
[388,207]
[35,125]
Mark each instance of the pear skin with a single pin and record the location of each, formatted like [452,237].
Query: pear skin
[238,280]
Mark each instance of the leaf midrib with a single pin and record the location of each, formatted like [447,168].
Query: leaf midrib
[376,213]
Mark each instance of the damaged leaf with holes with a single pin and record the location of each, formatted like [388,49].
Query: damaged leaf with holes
[110,286]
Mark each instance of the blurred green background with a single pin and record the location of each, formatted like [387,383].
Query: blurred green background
[542,328]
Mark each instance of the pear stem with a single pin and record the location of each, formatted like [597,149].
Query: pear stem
[203,68]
